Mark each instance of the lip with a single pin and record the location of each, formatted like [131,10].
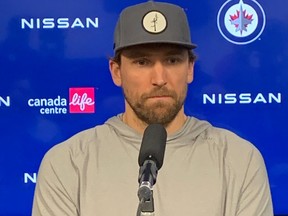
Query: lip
[159,97]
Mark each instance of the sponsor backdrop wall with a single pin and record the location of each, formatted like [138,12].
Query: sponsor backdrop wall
[54,81]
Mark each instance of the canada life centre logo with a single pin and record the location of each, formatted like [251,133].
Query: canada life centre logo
[81,100]
[241,22]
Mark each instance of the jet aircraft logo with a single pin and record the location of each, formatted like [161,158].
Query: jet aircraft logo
[241,21]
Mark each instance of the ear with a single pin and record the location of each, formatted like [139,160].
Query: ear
[115,72]
[190,74]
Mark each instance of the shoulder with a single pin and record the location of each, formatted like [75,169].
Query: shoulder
[235,150]
[227,139]
[77,146]
[239,154]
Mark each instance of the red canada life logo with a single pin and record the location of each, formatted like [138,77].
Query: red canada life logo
[81,100]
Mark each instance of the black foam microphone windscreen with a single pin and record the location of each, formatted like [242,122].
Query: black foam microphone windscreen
[153,145]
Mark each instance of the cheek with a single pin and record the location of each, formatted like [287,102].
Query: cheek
[130,86]
[134,82]
[131,83]
[178,80]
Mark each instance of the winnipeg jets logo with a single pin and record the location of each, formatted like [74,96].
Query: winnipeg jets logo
[241,22]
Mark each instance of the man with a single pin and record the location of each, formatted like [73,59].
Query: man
[206,171]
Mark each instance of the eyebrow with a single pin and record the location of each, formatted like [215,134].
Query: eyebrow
[134,53]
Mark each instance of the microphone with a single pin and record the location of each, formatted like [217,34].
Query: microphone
[150,159]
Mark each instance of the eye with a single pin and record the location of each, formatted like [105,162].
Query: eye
[174,60]
[141,61]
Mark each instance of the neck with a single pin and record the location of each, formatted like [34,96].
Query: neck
[130,118]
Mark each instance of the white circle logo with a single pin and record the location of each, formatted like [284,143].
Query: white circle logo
[154,22]
[241,23]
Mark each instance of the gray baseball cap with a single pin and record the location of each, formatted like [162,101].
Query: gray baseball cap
[152,22]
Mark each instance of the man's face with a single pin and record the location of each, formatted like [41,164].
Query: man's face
[154,80]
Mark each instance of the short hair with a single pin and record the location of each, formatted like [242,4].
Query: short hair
[117,57]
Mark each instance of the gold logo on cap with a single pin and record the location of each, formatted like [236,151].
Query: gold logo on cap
[154,22]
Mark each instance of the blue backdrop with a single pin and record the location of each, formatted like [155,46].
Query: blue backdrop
[54,81]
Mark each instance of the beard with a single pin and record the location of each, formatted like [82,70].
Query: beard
[160,112]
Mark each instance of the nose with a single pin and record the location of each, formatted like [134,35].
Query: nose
[159,74]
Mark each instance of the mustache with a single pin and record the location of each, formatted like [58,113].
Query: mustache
[159,92]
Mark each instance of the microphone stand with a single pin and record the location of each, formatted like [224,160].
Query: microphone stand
[147,178]
[146,207]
